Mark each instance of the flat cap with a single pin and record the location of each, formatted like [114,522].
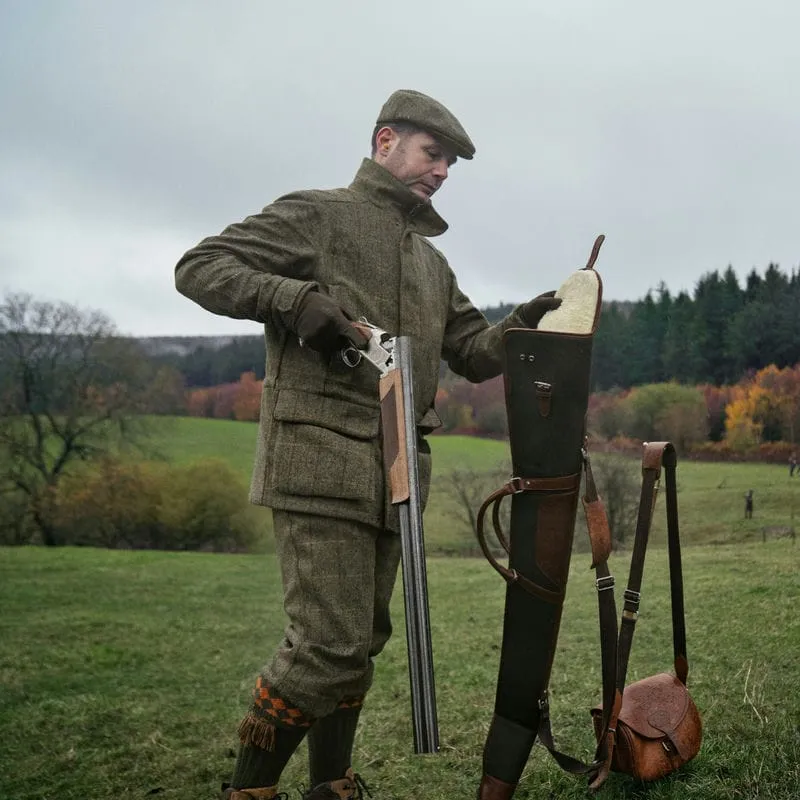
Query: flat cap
[407,105]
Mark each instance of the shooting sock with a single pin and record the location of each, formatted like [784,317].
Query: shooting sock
[269,734]
[330,742]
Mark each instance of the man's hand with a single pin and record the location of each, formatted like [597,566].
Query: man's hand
[535,309]
[323,326]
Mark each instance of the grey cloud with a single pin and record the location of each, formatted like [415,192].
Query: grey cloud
[673,130]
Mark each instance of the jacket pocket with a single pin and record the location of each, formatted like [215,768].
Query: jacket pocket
[324,447]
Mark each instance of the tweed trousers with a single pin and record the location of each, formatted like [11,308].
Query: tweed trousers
[338,577]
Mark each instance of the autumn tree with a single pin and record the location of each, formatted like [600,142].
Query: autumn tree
[70,390]
[742,428]
[717,398]
[247,405]
[764,408]
[607,414]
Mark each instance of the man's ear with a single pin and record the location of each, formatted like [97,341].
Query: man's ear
[385,140]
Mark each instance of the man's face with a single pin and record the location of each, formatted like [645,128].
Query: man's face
[418,160]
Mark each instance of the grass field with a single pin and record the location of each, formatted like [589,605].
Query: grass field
[124,674]
[711,495]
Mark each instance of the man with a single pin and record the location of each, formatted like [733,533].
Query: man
[305,267]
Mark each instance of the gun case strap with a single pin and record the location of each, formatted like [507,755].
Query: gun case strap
[600,538]
[615,642]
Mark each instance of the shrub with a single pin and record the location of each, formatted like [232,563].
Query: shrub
[768,452]
[109,504]
[667,411]
[16,526]
[607,414]
[206,507]
[199,506]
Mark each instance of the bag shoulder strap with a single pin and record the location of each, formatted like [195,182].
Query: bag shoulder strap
[657,455]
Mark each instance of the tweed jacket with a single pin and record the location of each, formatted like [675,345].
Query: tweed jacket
[366,246]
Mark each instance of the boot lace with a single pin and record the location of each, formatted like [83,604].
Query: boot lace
[361,787]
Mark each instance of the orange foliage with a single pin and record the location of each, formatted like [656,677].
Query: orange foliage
[240,400]
[247,404]
[767,406]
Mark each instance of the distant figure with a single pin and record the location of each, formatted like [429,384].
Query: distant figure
[748,505]
[793,464]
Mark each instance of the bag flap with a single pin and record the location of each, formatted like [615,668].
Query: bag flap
[654,706]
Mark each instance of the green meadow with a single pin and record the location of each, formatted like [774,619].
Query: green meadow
[123,674]
[711,495]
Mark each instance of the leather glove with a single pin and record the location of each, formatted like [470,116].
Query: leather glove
[323,326]
[535,309]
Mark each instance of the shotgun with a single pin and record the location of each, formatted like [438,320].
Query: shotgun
[392,357]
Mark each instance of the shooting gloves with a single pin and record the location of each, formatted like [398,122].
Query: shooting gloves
[535,309]
[323,326]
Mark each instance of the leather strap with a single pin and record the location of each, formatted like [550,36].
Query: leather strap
[615,643]
[566,483]
[595,251]
[656,455]
[600,538]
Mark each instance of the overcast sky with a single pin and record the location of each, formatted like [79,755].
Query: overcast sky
[129,131]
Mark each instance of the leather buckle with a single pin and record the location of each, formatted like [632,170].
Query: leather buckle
[516,485]
[544,392]
[632,599]
[630,605]
[604,584]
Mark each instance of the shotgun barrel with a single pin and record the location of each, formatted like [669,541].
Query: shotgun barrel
[400,455]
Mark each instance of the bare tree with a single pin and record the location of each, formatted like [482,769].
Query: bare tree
[618,481]
[70,390]
[468,488]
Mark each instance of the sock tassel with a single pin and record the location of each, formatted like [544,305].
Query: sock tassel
[258,732]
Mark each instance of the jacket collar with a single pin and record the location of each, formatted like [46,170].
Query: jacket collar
[384,189]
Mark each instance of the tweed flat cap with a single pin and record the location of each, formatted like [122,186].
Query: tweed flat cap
[407,105]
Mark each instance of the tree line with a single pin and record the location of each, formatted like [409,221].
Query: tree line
[717,372]
[713,336]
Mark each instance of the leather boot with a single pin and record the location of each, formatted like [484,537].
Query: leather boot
[495,789]
[351,787]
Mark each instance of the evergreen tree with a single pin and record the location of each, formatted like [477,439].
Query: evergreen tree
[609,349]
[752,286]
[647,327]
[717,301]
[680,358]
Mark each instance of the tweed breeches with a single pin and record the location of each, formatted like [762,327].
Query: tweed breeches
[338,577]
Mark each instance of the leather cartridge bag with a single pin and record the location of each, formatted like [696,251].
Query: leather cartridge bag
[657,727]
[546,377]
